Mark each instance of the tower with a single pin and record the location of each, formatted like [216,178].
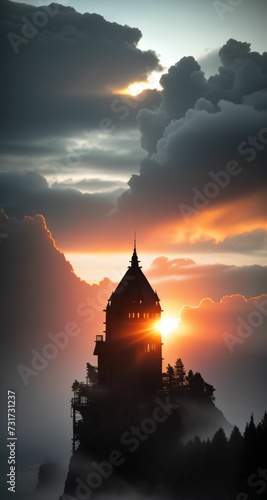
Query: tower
[130,357]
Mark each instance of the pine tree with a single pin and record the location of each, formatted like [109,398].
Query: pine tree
[170,374]
[209,392]
[180,372]
[250,445]
[189,377]
[197,384]
[262,441]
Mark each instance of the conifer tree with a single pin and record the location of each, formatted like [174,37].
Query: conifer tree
[170,374]
[180,372]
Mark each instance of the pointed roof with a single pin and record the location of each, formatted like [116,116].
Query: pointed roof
[134,287]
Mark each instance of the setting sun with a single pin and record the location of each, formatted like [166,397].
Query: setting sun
[168,325]
[136,88]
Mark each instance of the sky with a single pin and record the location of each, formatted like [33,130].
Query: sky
[95,156]
[84,164]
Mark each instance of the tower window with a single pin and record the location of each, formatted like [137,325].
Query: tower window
[138,315]
[150,347]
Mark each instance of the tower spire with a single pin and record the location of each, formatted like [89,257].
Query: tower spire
[134,260]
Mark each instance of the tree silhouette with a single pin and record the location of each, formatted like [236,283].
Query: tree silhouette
[262,440]
[250,446]
[180,372]
[170,374]
[75,386]
[196,384]
[91,372]
[209,392]
[189,377]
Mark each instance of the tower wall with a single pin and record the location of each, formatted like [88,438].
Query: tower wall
[131,354]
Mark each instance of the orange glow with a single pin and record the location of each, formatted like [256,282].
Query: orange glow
[215,223]
[168,325]
[137,88]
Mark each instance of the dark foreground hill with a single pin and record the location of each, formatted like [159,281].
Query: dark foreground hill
[139,444]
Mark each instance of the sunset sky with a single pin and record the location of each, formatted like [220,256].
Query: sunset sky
[99,164]
[86,160]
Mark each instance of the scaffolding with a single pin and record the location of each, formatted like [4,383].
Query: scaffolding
[79,404]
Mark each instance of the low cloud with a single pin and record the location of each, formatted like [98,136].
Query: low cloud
[228,339]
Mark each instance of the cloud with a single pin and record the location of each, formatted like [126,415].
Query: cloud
[61,82]
[68,211]
[43,294]
[209,62]
[111,189]
[202,131]
[241,74]
[94,185]
[66,52]
[50,316]
[183,281]
[228,338]
[202,182]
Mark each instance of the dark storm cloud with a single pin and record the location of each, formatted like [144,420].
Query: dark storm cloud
[67,65]
[68,211]
[207,140]
[111,189]
[200,126]
[241,74]
[68,51]
[196,148]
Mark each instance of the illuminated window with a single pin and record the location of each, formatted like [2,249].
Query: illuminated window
[99,338]
[150,348]
[129,315]
[138,315]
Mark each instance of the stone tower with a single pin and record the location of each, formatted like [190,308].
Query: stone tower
[130,356]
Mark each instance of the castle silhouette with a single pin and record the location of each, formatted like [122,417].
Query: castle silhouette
[130,353]
[132,346]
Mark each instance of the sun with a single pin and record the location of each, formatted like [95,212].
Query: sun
[168,325]
[136,88]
